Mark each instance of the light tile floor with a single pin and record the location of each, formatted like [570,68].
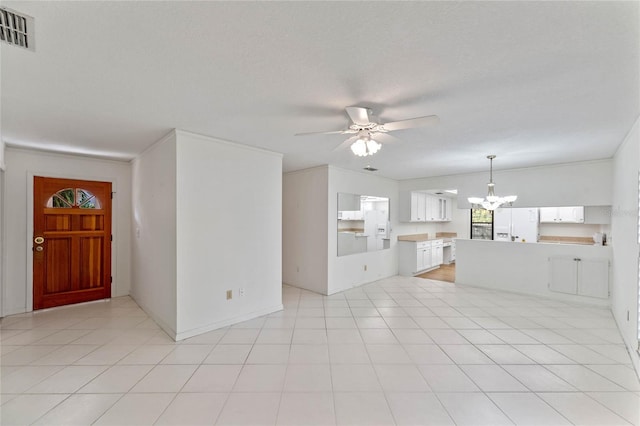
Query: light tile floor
[404,351]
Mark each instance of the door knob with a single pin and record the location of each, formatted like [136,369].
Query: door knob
[38,240]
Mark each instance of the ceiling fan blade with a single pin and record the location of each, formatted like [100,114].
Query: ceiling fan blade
[346,143]
[385,138]
[342,132]
[411,123]
[358,115]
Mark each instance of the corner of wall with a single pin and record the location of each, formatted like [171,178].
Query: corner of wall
[626,250]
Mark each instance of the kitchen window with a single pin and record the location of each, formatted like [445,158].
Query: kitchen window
[481,224]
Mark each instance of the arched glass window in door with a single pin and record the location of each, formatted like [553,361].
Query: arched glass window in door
[73,198]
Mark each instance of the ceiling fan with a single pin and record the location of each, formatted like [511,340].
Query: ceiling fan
[365,129]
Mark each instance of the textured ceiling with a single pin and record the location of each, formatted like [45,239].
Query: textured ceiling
[532,82]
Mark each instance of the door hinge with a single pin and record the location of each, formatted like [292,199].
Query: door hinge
[112,195]
[111,237]
[111,280]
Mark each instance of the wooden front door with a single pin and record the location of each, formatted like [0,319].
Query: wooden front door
[71,241]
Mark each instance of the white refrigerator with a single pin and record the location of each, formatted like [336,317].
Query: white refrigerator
[515,224]
[376,229]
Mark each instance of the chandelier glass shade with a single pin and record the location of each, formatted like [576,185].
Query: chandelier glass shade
[491,201]
[364,145]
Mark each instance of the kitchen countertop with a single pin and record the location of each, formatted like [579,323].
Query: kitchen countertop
[556,239]
[545,239]
[418,238]
[543,242]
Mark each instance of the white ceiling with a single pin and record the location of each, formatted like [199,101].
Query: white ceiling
[534,83]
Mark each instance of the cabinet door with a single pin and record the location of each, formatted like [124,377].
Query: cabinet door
[426,258]
[437,256]
[578,214]
[548,214]
[435,209]
[421,206]
[571,214]
[593,278]
[414,207]
[446,209]
[419,260]
[563,273]
[431,208]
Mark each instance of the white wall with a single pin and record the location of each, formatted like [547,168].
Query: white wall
[21,166]
[154,232]
[3,260]
[2,150]
[519,267]
[310,221]
[218,184]
[574,184]
[305,229]
[349,271]
[624,233]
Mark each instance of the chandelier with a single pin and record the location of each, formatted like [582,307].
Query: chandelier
[491,201]
[364,145]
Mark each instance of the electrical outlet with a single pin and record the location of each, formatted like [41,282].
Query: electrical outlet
[365,267]
[241,291]
[229,294]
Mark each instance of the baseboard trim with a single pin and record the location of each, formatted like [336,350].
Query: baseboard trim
[227,322]
[561,297]
[164,326]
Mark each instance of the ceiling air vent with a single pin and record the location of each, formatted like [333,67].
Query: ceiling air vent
[16,29]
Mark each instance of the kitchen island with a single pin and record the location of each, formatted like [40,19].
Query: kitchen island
[569,272]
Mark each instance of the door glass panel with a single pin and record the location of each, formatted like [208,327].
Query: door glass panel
[90,203]
[69,198]
[64,198]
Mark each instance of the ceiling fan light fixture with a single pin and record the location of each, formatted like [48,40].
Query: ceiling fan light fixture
[373,146]
[364,145]
[491,201]
[359,148]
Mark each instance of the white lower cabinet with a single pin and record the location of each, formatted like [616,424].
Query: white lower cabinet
[581,276]
[437,254]
[416,257]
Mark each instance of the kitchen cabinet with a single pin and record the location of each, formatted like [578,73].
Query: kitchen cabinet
[417,206]
[581,276]
[351,215]
[423,256]
[417,257]
[420,207]
[445,209]
[437,254]
[573,214]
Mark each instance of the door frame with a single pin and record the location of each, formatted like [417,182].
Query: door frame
[29,235]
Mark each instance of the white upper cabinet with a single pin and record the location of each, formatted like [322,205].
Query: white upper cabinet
[416,206]
[562,214]
[421,207]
